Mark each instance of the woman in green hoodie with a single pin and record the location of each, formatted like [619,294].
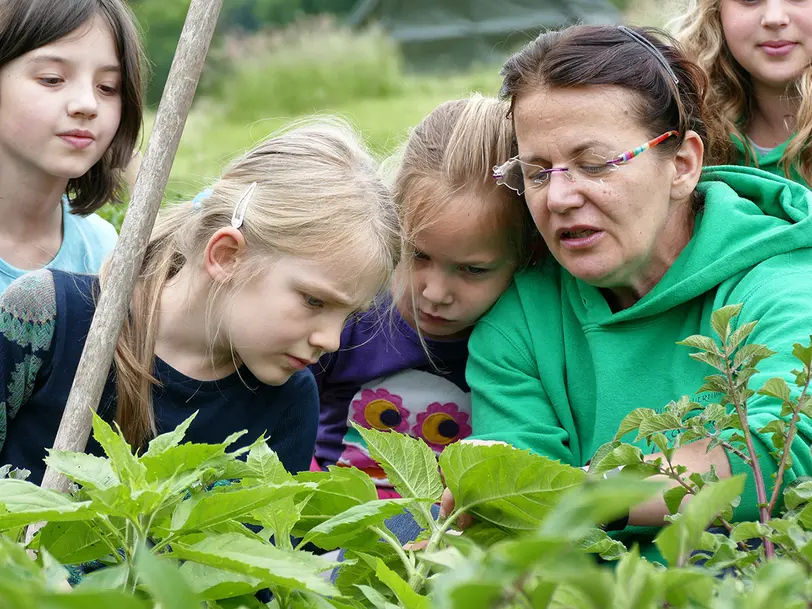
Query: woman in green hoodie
[759,58]
[644,247]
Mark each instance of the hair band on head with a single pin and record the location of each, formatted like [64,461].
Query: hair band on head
[652,49]
[239,210]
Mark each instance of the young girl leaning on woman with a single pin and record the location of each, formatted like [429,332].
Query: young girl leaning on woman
[402,367]
[758,56]
[70,114]
[238,293]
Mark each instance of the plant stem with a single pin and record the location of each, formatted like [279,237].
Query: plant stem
[393,541]
[418,577]
[107,542]
[742,546]
[793,427]
[761,492]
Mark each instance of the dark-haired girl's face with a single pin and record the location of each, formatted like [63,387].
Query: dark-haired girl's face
[60,105]
[620,229]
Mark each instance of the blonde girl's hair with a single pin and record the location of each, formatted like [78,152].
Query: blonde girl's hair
[730,95]
[452,152]
[318,193]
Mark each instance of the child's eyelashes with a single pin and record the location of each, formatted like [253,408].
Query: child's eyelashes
[313,302]
[465,269]
[50,81]
[108,90]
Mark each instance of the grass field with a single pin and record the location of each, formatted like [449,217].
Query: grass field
[358,77]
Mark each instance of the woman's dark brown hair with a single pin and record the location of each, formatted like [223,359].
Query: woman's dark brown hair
[590,55]
[26,25]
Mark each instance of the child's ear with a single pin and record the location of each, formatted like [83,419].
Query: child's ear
[689,166]
[223,251]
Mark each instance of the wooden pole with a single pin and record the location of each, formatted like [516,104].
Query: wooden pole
[128,255]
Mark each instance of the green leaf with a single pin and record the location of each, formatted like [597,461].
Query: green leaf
[804,354]
[280,517]
[598,542]
[685,588]
[227,503]
[176,460]
[109,578]
[409,463]
[749,530]
[597,503]
[720,320]
[751,355]
[621,454]
[776,387]
[164,582]
[777,428]
[360,568]
[409,599]
[703,343]
[678,539]
[658,423]
[340,530]
[511,488]
[274,566]
[160,444]
[87,470]
[673,498]
[713,412]
[74,542]
[377,599]
[264,465]
[798,494]
[125,501]
[125,465]
[740,334]
[632,421]
[338,490]
[210,583]
[22,503]
[710,359]
[85,599]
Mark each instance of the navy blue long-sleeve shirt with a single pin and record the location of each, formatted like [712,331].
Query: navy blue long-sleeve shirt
[44,320]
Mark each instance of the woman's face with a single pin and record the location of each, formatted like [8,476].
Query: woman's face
[619,228]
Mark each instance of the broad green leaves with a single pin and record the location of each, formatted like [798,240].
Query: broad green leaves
[679,539]
[408,462]
[272,566]
[510,488]
[345,529]
[23,503]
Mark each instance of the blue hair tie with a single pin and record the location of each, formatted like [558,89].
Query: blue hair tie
[197,202]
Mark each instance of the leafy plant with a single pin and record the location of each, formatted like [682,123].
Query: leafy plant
[190,525]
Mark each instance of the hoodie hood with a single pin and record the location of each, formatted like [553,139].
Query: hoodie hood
[749,216]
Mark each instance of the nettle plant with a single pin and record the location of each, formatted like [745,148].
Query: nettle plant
[193,525]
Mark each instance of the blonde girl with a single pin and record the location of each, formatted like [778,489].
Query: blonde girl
[465,239]
[237,294]
[759,107]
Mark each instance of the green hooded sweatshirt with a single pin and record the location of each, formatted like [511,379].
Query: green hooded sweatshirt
[552,369]
[771,162]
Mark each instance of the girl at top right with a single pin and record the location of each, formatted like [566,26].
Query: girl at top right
[759,107]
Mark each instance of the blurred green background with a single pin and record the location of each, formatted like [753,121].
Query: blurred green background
[275,60]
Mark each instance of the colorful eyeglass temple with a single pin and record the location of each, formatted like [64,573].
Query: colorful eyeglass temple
[627,156]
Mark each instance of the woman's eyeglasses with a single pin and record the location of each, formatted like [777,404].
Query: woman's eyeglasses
[521,176]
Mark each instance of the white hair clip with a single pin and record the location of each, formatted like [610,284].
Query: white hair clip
[239,211]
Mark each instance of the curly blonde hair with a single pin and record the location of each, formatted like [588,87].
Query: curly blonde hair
[730,95]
